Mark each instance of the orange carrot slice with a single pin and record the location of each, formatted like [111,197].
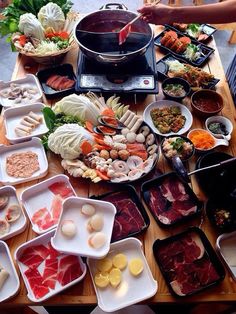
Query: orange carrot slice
[102,175]
[86,147]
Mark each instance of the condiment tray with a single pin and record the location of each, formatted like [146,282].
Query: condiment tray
[29,80]
[12,284]
[40,196]
[132,289]
[19,225]
[34,145]
[78,244]
[13,116]
[226,246]
[44,240]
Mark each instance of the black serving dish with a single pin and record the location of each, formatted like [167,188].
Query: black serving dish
[63,70]
[181,257]
[205,50]
[169,214]
[217,182]
[162,70]
[129,192]
[221,213]
[176,80]
[207,29]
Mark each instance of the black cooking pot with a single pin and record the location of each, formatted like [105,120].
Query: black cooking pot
[97,35]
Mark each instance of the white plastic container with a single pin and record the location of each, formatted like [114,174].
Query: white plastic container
[29,80]
[19,225]
[33,145]
[79,243]
[44,240]
[226,246]
[12,284]
[12,117]
[132,289]
[39,196]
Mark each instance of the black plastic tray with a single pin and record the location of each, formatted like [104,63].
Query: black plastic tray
[206,51]
[130,190]
[209,253]
[162,70]
[206,29]
[157,182]
[64,70]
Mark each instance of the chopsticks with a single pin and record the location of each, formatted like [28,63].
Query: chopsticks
[125,31]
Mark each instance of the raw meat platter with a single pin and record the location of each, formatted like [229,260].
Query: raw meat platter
[226,246]
[204,51]
[188,262]
[131,217]
[163,69]
[46,271]
[9,280]
[20,92]
[32,147]
[13,118]
[43,202]
[129,291]
[12,217]
[85,227]
[170,200]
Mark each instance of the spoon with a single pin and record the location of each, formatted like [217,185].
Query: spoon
[182,171]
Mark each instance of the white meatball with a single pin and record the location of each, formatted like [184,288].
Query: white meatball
[131,137]
[140,138]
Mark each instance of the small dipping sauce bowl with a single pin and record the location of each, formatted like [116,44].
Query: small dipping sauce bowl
[225,126]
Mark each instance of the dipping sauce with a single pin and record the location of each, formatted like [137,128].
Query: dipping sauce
[218,128]
[202,139]
[174,90]
[207,104]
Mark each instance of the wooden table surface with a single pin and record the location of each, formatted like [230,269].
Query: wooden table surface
[83,293]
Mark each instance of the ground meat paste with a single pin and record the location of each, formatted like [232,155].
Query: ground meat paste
[22,165]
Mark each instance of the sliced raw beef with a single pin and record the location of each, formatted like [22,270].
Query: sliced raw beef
[62,189]
[36,283]
[117,230]
[42,218]
[157,202]
[56,208]
[52,252]
[33,256]
[173,190]
[206,272]
[69,269]
[185,208]
[169,217]
[50,273]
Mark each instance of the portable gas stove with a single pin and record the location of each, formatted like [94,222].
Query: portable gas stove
[137,76]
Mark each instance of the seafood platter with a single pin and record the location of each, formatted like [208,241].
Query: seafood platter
[201,32]
[170,66]
[183,47]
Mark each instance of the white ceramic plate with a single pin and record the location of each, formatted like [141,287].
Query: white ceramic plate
[44,240]
[79,245]
[12,284]
[132,289]
[168,103]
[39,196]
[12,117]
[19,225]
[33,145]
[29,80]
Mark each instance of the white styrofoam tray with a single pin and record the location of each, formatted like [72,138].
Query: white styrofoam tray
[132,289]
[29,80]
[79,243]
[44,240]
[33,145]
[226,246]
[12,284]
[39,196]
[12,117]
[19,225]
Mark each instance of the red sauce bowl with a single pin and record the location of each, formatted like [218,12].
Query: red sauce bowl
[206,102]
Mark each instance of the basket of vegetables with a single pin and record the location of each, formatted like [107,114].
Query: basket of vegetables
[40,29]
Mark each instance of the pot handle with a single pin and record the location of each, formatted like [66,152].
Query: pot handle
[112,60]
[119,6]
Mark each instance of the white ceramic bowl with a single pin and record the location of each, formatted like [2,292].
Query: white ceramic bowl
[168,103]
[228,124]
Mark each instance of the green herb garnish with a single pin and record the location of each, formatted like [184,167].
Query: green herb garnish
[178,144]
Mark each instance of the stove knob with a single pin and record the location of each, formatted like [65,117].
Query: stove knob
[146,82]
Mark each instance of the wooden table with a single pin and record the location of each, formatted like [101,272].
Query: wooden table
[83,293]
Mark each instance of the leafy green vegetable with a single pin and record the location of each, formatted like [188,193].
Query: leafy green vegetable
[49,117]
[178,144]
[13,12]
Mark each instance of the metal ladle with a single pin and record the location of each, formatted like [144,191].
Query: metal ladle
[182,171]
